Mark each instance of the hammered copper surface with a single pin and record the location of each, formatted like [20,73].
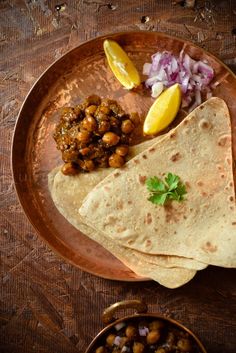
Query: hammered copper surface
[68,81]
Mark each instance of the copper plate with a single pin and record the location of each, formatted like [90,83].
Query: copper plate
[79,73]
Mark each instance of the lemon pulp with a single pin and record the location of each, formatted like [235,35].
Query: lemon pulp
[121,65]
[163,110]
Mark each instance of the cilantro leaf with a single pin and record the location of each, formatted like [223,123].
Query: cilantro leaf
[163,191]
[155,184]
[172,180]
[158,199]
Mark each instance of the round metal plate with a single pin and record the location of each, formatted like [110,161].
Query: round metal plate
[78,74]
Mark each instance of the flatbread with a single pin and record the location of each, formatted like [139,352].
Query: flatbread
[203,227]
[68,193]
[68,200]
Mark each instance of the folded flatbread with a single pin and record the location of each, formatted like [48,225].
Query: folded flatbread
[68,193]
[203,227]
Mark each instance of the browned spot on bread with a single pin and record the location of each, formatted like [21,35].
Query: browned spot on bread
[219,167]
[234,223]
[148,242]
[110,220]
[175,157]
[116,174]
[142,179]
[186,121]
[173,135]
[199,183]
[203,193]
[120,229]
[222,176]
[108,204]
[152,149]
[119,205]
[231,198]
[224,140]
[130,241]
[230,184]
[208,247]
[136,161]
[228,160]
[204,124]
[231,208]
[144,156]
[130,202]
[187,184]
[173,215]
[202,107]
[148,218]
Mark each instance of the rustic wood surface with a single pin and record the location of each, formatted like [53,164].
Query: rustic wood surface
[46,305]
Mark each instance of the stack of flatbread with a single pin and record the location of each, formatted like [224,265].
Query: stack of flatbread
[168,244]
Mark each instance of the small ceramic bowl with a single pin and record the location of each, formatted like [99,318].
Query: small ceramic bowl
[140,315]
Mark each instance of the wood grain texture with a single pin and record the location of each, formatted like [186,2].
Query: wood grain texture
[46,305]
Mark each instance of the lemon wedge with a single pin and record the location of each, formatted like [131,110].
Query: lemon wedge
[121,65]
[163,111]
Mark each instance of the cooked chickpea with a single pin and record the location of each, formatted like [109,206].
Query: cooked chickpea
[122,150]
[69,169]
[69,155]
[130,331]
[160,350]
[89,123]
[123,341]
[83,136]
[103,126]
[184,345]
[156,325]
[104,109]
[94,100]
[116,161]
[134,117]
[110,339]
[153,336]
[138,347]
[84,151]
[127,126]
[101,116]
[110,138]
[90,110]
[100,350]
[88,165]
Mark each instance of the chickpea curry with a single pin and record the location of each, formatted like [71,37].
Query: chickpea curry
[146,336]
[94,134]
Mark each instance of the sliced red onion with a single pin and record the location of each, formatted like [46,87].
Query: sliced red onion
[146,68]
[119,326]
[157,88]
[117,340]
[143,331]
[192,76]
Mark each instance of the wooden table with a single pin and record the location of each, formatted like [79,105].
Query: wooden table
[46,304]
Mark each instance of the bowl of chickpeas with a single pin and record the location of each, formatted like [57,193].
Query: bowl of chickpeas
[143,332]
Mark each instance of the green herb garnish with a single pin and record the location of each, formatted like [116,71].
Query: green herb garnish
[169,189]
